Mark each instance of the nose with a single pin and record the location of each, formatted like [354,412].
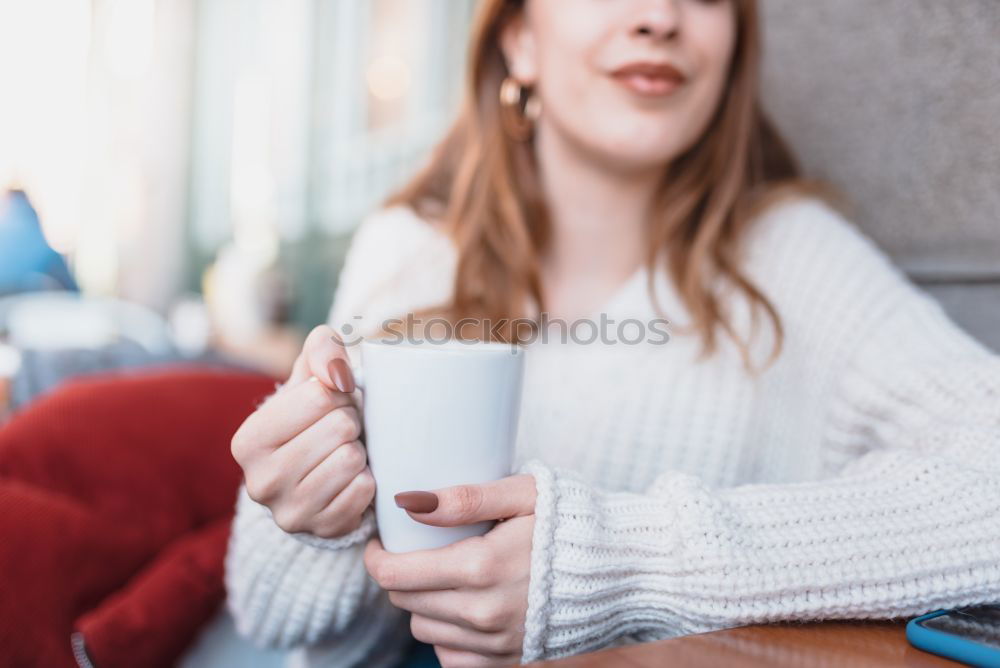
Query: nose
[657,20]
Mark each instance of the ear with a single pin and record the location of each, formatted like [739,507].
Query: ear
[517,42]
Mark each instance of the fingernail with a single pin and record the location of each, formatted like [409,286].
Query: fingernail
[341,375]
[417,502]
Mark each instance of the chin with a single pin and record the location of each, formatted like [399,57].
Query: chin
[632,154]
[645,141]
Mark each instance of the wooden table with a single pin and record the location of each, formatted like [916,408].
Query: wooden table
[828,644]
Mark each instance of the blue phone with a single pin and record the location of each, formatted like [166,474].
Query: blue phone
[970,635]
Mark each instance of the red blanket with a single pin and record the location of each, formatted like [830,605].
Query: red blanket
[116,495]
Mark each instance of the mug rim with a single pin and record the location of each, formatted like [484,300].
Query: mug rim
[449,346]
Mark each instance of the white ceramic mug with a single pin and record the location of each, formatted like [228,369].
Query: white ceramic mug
[436,415]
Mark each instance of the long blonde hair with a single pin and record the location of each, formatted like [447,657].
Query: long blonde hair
[482,185]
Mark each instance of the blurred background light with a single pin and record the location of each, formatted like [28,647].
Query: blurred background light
[209,159]
[128,45]
[44,45]
[388,78]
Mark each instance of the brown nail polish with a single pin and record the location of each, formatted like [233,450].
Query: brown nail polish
[341,375]
[417,502]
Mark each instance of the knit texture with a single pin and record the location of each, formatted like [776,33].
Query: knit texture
[304,592]
[857,477]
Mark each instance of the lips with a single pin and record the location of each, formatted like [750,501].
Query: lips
[650,79]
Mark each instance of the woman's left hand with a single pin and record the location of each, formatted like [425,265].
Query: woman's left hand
[469,598]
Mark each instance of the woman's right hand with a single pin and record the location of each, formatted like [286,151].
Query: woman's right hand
[300,452]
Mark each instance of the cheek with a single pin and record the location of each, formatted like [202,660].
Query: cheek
[579,103]
[564,78]
[605,119]
[703,103]
[714,36]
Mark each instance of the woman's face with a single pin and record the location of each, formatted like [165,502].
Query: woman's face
[632,83]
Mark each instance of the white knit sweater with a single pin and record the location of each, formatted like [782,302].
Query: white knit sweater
[858,477]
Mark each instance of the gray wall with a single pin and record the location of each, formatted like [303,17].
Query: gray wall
[897,102]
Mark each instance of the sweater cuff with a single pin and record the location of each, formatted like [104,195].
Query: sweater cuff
[360,535]
[365,530]
[591,551]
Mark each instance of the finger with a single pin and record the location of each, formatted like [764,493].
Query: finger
[345,512]
[300,371]
[508,497]
[460,607]
[285,415]
[327,359]
[313,446]
[435,632]
[372,553]
[466,563]
[332,476]
[374,543]
[448,656]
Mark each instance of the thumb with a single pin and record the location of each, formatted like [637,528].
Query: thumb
[325,357]
[513,496]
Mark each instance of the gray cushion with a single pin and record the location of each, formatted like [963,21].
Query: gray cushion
[897,102]
[976,307]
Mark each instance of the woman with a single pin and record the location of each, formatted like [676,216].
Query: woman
[611,160]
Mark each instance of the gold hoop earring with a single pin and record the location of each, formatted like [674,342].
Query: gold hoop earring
[518,122]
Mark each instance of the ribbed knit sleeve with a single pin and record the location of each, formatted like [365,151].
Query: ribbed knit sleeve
[288,590]
[299,590]
[910,522]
